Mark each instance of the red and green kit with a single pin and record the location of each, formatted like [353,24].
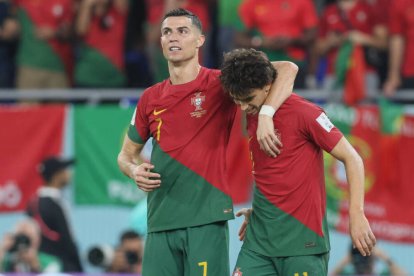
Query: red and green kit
[190,125]
[289,205]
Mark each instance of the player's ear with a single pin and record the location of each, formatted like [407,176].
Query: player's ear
[267,88]
[200,41]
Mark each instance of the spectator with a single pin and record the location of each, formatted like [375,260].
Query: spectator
[229,23]
[101,26]
[19,252]
[155,11]
[401,58]
[350,21]
[128,255]
[356,264]
[49,209]
[44,56]
[286,30]
[8,38]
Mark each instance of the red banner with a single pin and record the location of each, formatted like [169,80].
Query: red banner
[389,176]
[29,134]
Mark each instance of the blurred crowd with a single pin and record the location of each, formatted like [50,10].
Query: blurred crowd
[115,43]
[43,242]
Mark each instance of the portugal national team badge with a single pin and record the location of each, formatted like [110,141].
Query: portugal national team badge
[237,272]
[197,100]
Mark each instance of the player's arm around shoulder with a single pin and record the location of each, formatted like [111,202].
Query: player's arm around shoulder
[132,166]
[360,230]
[280,91]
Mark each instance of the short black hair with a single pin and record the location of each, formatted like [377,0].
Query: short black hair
[183,12]
[129,235]
[244,70]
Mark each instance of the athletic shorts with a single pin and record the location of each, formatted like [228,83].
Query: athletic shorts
[250,263]
[193,251]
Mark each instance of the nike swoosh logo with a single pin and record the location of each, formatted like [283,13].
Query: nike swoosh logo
[159,111]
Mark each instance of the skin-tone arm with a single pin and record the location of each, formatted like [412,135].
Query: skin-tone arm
[361,233]
[342,264]
[395,61]
[84,17]
[280,90]
[132,166]
[393,267]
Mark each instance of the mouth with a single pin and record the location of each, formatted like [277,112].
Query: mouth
[174,49]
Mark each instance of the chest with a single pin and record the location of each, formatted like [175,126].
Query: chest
[358,18]
[282,15]
[47,12]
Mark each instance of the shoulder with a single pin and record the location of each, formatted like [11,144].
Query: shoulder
[153,90]
[299,109]
[212,77]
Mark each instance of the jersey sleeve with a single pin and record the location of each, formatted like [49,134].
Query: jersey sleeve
[395,24]
[319,129]
[247,15]
[309,17]
[138,130]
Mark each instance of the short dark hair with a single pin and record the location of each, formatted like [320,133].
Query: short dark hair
[244,70]
[183,12]
[129,235]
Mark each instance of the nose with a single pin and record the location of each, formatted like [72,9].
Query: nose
[244,106]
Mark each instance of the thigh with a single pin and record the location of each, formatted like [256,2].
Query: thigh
[161,256]
[312,265]
[250,263]
[207,250]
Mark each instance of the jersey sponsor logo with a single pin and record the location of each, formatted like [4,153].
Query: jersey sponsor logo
[324,122]
[310,244]
[158,112]
[237,272]
[226,211]
[197,100]
[133,117]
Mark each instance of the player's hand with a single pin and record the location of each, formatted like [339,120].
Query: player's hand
[362,237]
[246,213]
[266,136]
[144,178]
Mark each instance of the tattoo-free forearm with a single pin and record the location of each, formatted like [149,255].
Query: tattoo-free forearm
[282,87]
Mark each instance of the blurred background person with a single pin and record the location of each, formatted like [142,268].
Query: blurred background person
[19,251]
[128,254]
[356,264]
[8,42]
[401,57]
[44,57]
[228,22]
[101,25]
[155,12]
[344,26]
[284,30]
[50,211]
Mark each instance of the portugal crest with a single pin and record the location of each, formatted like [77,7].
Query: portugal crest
[197,101]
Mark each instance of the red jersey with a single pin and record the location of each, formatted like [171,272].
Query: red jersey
[280,18]
[402,23]
[289,206]
[359,18]
[106,35]
[190,125]
[44,13]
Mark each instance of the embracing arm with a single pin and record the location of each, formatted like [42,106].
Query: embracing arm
[281,90]
[132,166]
[361,233]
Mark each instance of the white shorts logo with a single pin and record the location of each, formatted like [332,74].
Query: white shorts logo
[324,121]
[133,117]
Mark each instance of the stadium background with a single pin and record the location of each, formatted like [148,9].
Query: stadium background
[89,124]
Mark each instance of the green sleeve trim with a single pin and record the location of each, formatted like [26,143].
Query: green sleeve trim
[134,136]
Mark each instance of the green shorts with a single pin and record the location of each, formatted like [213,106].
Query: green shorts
[194,251]
[250,263]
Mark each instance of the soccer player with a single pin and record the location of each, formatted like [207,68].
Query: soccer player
[287,232]
[190,118]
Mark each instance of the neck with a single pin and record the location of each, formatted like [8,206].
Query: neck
[184,72]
